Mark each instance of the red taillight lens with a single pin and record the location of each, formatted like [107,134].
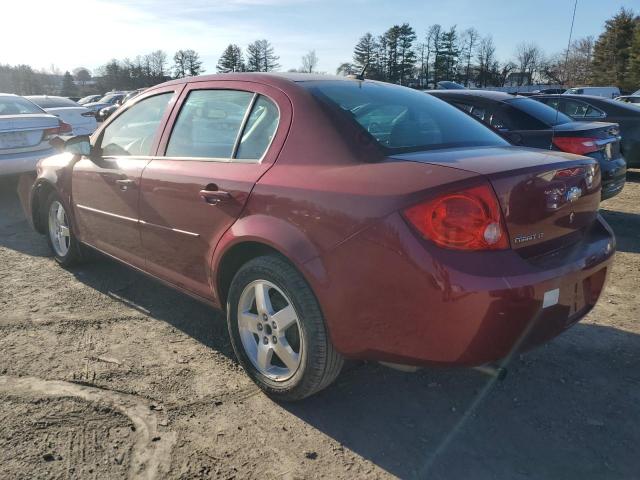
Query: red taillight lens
[64,128]
[569,172]
[466,220]
[577,145]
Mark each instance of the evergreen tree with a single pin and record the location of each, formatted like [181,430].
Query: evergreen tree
[68,87]
[364,53]
[406,57]
[261,57]
[612,51]
[633,70]
[231,60]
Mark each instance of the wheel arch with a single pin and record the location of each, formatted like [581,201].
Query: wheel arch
[252,237]
[41,189]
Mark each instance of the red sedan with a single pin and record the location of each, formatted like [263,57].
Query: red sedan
[333,218]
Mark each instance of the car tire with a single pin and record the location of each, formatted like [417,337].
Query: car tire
[302,360]
[66,248]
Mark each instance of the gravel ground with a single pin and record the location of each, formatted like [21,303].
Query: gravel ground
[106,374]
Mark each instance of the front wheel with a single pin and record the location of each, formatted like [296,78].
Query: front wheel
[278,331]
[60,235]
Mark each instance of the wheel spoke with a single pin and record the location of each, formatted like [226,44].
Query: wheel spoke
[248,321]
[285,318]
[60,215]
[286,353]
[265,352]
[263,302]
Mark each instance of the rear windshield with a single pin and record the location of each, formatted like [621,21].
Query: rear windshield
[401,119]
[53,102]
[17,106]
[546,114]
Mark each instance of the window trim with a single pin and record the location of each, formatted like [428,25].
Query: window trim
[236,145]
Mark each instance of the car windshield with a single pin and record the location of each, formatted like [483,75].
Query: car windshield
[10,105]
[110,98]
[52,102]
[540,111]
[401,119]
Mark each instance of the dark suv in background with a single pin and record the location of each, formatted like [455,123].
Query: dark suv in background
[529,123]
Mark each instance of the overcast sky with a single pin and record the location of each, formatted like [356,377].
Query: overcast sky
[73,33]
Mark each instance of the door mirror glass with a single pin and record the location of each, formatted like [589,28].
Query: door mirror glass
[79,145]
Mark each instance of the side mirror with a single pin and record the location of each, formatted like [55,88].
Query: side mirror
[78,145]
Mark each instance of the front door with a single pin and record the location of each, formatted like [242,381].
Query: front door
[106,187]
[224,137]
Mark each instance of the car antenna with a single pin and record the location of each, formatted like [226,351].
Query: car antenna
[566,62]
[360,76]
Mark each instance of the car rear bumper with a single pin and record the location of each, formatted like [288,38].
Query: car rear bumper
[420,306]
[22,162]
[614,174]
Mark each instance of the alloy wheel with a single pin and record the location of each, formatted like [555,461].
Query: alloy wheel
[59,229]
[270,330]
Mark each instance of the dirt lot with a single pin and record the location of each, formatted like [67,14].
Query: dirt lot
[104,374]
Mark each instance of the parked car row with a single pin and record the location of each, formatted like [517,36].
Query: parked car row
[527,122]
[342,218]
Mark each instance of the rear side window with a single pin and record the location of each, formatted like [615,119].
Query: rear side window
[539,111]
[400,119]
[133,131]
[208,124]
[259,130]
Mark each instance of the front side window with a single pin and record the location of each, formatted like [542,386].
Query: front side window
[208,124]
[400,119]
[133,131]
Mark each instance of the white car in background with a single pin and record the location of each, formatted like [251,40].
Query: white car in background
[25,131]
[607,92]
[81,119]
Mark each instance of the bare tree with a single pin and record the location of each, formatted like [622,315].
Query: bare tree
[485,55]
[309,62]
[529,58]
[470,38]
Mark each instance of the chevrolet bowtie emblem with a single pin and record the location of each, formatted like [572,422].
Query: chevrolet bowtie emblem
[573,194]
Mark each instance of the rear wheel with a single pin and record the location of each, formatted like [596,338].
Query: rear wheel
[278,331]
[60,235]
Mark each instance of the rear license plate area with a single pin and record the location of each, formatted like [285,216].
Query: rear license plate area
[14,140]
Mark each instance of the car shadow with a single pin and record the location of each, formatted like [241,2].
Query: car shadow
[633,176]
[554,416]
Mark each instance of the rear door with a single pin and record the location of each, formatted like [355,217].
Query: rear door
[106,188]
[221,140]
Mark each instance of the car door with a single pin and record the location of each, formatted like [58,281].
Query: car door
[106,187]
[221,140]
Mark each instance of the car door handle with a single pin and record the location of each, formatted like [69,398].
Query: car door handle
[124,184]
[214,197]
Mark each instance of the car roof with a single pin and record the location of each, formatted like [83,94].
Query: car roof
[270,77]
[489,94]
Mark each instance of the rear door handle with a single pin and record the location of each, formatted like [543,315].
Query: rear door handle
[212,195]
[124,184]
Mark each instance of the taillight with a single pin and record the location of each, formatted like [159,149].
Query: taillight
[48,133]
[469,219]
[569,172]
[577,145]
[64,128]
[88,114]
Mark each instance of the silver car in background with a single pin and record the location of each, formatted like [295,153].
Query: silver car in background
[25,131]
[81,119]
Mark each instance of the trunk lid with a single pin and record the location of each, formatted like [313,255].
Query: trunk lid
[606,135]
[21,133]
[548,199]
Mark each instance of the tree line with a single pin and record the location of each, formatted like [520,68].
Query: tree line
[400,55]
